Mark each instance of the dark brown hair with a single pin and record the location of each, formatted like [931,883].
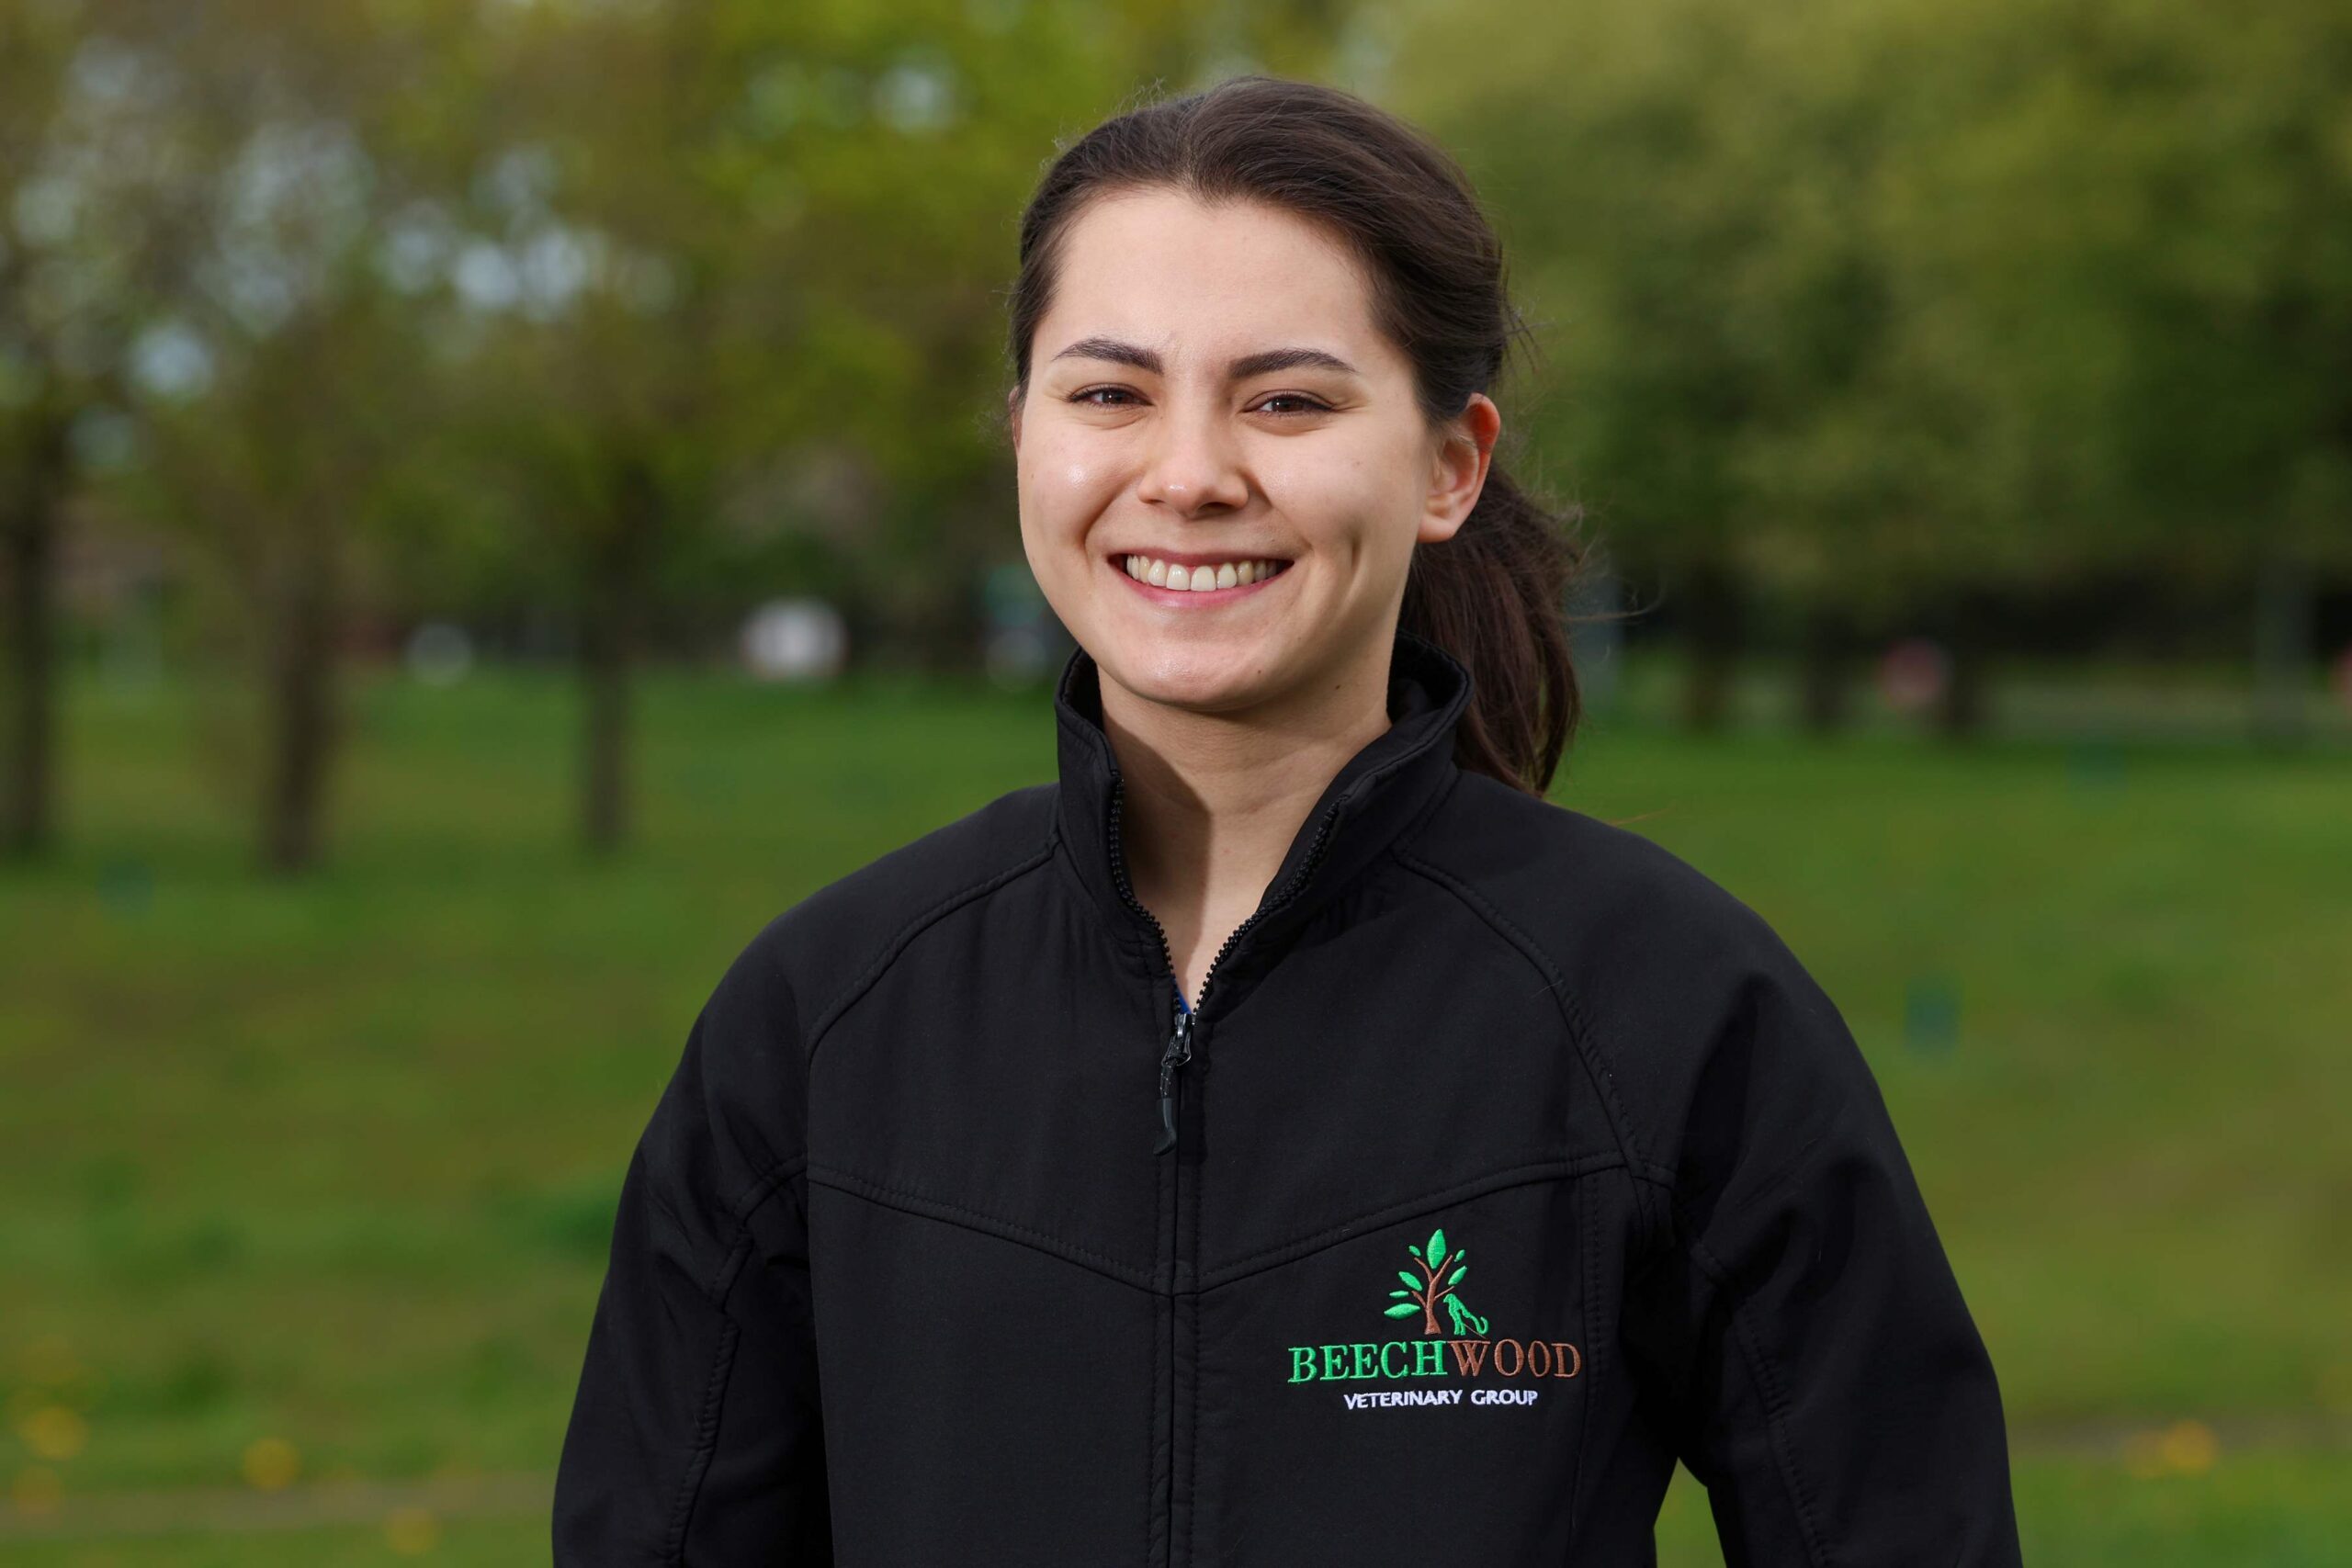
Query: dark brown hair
[1493,594]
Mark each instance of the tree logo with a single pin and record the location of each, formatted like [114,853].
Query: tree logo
[1455,1346]
[1442,1275]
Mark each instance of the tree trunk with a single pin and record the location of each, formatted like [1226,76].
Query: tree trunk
[611,604]
[1711,633]
[2282,647]
[1824,695]
[940,625]
[604,673]
[28,536]
[1962,713]
[300,713]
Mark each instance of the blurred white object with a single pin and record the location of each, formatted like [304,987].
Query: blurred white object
[794,640]
[440,654]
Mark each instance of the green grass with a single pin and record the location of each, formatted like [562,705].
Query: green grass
[2280,1510]
[445,1543]
[330,1161]
[2275,1509]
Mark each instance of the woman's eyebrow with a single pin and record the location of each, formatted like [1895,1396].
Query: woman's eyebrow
[1265,362]
[1274,359]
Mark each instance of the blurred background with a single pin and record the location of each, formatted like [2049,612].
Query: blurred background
[498,499]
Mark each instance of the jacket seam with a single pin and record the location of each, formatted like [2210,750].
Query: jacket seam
[1759,1363]
[722,1363]
[771,1177]
[910,1201]
[1522,1173]
[1422,815]
[777,1178]
[896,947]
[1571,1011]
[763,1186]
[659,1204]
[722,1368]
[1768,1388]
[769,1180]
[1586,1285]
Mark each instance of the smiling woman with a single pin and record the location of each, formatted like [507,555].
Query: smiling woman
[946,1245]
[1227,368]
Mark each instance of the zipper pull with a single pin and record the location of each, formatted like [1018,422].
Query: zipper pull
[1179,1052]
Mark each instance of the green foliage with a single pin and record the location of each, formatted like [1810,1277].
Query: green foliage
[1874,296]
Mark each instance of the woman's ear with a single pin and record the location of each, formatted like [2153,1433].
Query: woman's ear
[1458,469]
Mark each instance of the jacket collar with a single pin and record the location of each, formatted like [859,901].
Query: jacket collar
[1381,789]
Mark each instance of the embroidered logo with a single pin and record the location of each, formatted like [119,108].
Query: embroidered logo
[1457,1345]
[1423,1294]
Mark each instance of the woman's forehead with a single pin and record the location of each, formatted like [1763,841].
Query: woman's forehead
[1204,282]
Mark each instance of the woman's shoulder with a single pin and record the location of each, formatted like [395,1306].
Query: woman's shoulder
[824,942]
[1659,968]
[1594,892]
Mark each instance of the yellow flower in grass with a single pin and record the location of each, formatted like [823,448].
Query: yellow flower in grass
[411,1531]
[52,1431]
[2185,1448]
[271,1463]
[2190,1448]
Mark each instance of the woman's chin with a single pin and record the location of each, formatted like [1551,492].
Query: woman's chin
[1204,674]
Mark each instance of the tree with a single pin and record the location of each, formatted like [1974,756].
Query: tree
[296,125]
[1901,311]
[780,234]
[2148,222]
[1613,144]
[82,178]
[1441,1273]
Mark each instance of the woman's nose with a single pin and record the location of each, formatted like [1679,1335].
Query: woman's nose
[1193,465]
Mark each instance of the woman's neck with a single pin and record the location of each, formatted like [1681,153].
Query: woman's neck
[1214,801]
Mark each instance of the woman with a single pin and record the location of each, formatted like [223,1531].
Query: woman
[1285,1138]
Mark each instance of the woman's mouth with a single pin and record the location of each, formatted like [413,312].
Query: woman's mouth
[1199,580]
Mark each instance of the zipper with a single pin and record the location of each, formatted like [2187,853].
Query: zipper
[1179,1052]
[1178,1049]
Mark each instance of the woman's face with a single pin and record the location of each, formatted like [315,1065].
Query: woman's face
[1210,406]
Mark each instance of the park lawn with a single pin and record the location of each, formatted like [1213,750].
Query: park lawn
[331,1163]
[406,1540]
[2278,1509]
[2274,1509]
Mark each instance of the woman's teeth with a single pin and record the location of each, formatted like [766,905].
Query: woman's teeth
[1201,579]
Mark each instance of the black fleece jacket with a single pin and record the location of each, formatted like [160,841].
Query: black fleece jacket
[1505,1160]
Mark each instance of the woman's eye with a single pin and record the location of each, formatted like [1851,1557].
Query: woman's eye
[1120,397]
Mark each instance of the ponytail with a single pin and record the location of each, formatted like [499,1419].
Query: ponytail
[1494,596]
